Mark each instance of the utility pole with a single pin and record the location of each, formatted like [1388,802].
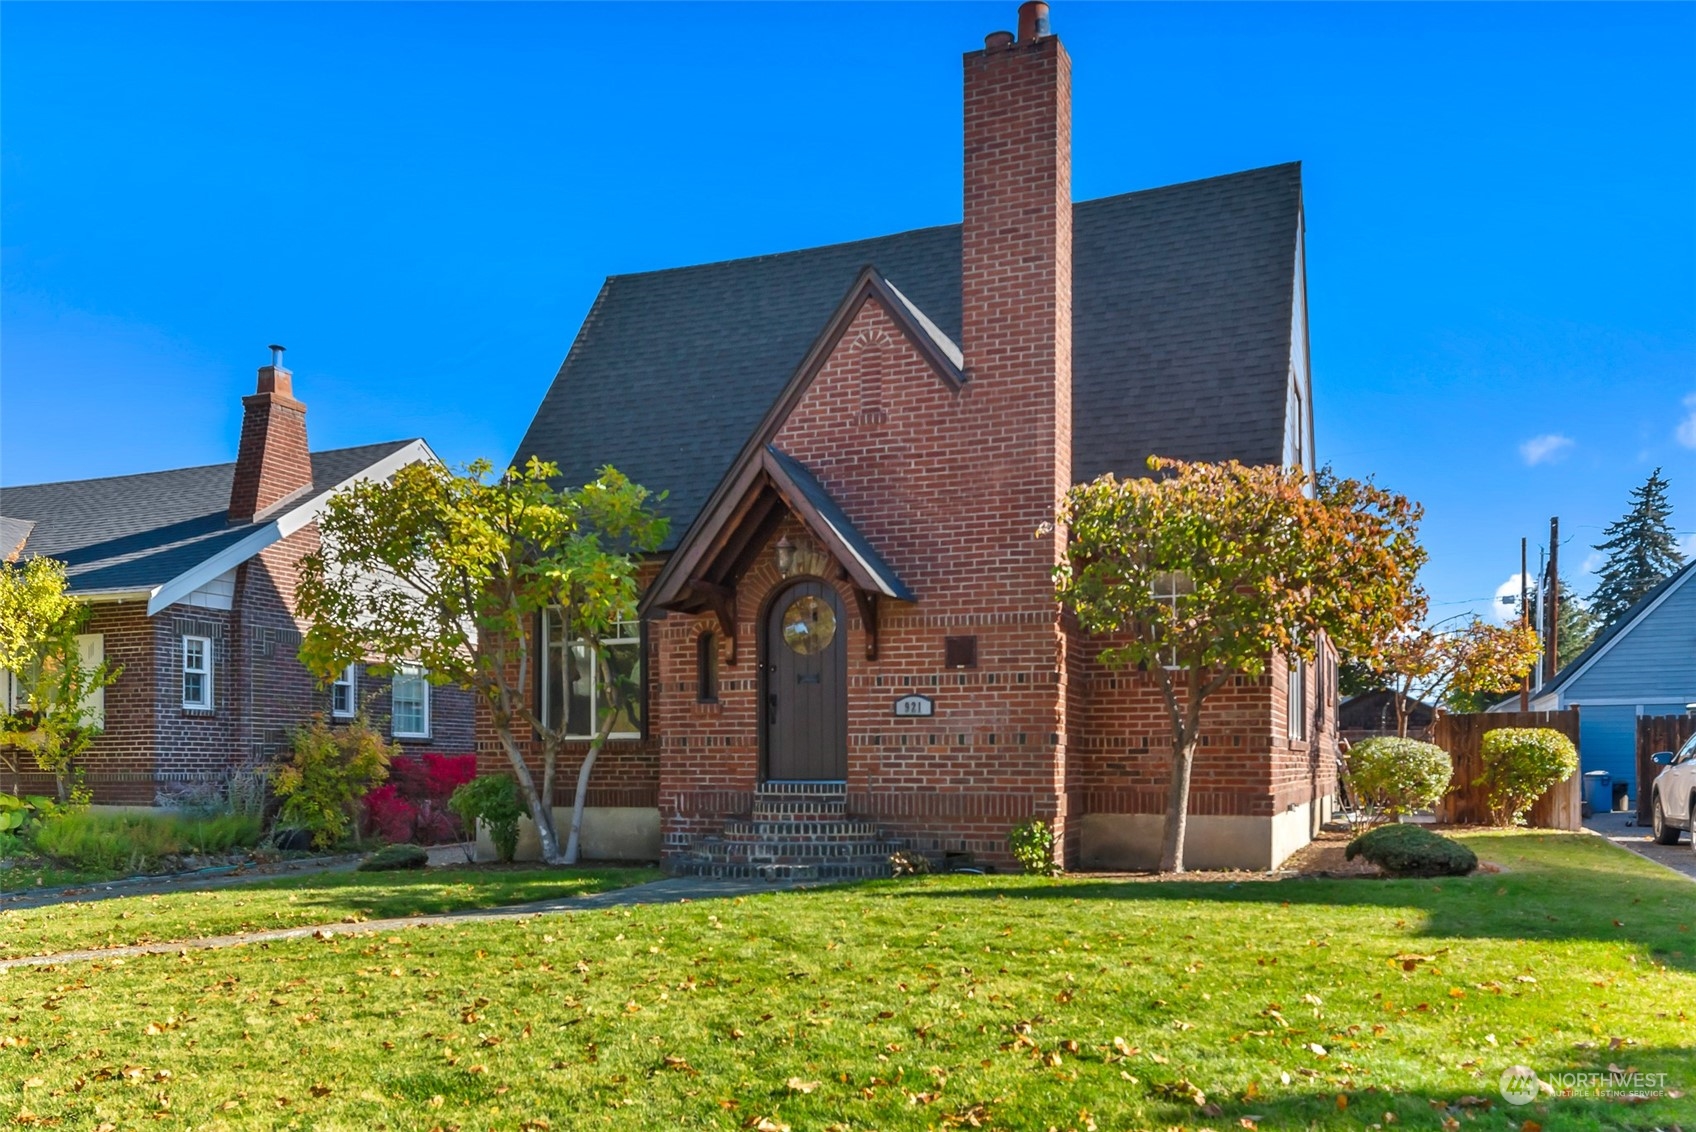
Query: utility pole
[1552,642]
[1524,620]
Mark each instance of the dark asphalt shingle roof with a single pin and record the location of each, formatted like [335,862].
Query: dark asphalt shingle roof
[137,532]
[1182,306]
[841,524]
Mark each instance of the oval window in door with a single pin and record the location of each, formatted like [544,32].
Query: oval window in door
[809,625]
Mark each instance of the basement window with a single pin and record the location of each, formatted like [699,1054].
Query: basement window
[197,673]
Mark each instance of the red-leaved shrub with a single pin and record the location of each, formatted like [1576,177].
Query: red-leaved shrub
[413,805]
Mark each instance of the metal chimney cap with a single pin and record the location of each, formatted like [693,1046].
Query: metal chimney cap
[276,353]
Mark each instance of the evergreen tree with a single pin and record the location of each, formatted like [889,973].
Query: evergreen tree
[1641,551]
[1578,624]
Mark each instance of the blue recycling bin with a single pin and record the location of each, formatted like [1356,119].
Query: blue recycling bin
[1598,791]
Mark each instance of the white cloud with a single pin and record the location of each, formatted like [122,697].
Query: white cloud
[1686,430]
[1593,562]
[1545,449]
[1500,612]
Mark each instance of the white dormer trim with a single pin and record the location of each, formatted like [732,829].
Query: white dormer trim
[279,528]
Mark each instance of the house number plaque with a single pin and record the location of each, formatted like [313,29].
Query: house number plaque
[915,705]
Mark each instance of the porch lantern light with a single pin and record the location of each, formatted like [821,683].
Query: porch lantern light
[785,551]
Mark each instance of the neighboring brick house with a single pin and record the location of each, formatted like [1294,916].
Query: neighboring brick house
[189,576]
[851,639]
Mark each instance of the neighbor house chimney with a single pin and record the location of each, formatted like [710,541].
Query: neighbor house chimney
[1016,249]
[272,463]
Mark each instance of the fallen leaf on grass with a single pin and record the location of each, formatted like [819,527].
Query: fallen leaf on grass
[796,1085]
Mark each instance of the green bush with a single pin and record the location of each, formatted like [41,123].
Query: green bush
[1412,851]
[330,771]
[1520,765]
[1398,776]
[19,815]
[1032,845]
[137,842]
[493,800]
[391,858]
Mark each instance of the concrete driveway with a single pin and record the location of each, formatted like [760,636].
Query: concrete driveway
[1622,830]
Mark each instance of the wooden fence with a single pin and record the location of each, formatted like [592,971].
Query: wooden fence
[1462,737]
[1657,733]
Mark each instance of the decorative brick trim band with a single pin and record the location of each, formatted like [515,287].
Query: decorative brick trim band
[938,804]
[1205,803]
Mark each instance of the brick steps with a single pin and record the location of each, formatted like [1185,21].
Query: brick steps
[797,831]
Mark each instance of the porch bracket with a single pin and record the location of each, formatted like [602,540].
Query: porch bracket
[868,604]
[722,601]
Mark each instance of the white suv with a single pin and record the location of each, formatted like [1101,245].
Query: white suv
[1675,793]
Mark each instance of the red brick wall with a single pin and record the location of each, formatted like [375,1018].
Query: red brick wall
[1246,764]
[152,746]
[272,461]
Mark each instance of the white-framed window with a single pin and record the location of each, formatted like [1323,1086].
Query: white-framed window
[1298,698]
[574,692]
[344,693]
[91,653]
[197,673]
[1168,588]
[409,703]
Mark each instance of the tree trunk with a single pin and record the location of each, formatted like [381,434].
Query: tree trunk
[541,811]
[1178,800]
[575,837]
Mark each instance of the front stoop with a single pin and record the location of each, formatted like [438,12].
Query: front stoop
[797,831]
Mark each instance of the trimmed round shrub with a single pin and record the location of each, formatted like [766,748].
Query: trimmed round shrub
[1412,851]
[1520,765]
[391,858]
[1399,776]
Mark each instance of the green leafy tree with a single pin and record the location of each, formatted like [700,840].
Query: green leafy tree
[451,570]
[1641,551]
[330,771]
[1202,572]
[54,716]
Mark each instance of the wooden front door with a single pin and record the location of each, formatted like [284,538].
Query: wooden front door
[806,677]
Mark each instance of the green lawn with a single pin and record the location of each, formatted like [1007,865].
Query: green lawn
[21,876]
[293,901]
[936,1003]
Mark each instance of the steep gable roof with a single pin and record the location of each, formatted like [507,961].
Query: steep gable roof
[1182,307]
[139,533]
[1621,626]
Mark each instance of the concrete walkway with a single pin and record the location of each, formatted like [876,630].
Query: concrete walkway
[672,890]
[1622,830]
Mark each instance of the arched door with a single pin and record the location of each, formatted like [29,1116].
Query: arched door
[806,686]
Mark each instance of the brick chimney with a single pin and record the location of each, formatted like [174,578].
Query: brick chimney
[1016,269]
[272,463]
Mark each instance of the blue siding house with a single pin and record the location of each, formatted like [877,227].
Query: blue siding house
[1642,664]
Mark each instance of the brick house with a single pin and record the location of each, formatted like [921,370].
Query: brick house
[189,576]
[851,640]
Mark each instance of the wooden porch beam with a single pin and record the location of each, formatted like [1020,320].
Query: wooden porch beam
[868,604]
[722,601]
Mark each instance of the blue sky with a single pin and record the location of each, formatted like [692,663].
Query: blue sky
[421,201]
